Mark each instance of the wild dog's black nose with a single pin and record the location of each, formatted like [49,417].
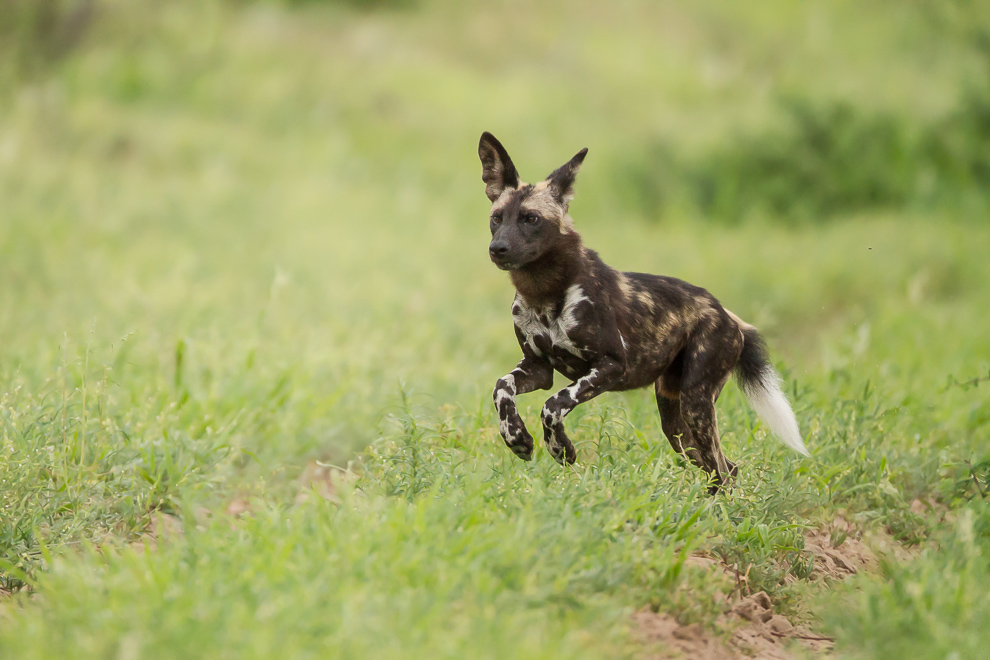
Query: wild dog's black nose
[498,249]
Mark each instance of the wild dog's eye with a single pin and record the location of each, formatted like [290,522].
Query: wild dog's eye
[497,219]
[530,218]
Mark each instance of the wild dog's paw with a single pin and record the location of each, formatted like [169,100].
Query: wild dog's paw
[521,444]
[522,451]
[718,485]
[516,436]
[559,445]
[520,441]
[565,455]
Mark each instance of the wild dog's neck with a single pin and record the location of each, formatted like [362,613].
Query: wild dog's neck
[547,279]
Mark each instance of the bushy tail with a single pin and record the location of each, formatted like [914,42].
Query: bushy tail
[761,384]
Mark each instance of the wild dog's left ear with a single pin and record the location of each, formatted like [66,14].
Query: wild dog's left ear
[561,182]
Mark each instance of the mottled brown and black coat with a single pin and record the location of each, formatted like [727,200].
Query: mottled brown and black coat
[611,331]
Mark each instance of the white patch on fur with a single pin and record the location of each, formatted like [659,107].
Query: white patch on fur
[542,204]
[566,225]
[503,198]
[573,297]
[502,394]
[579,383]
[742,324]
[552,417]
[528,320]
[770,403]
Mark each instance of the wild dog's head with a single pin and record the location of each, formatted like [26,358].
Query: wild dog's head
[527,221]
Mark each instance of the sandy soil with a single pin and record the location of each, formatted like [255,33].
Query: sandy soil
[756,630]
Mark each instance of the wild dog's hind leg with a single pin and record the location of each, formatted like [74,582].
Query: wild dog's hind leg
[708,363]
[678,434]
[530,374]
[596,381]
[698,413]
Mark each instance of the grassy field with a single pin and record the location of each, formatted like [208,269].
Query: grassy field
[249,330]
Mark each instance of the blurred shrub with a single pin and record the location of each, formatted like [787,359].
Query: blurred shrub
[650,179]
[822,160]
[957,150]
[35,32]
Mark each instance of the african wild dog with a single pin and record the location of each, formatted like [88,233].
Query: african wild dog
[610,331]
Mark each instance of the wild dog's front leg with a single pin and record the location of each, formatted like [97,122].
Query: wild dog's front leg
[530,374]
[601,376]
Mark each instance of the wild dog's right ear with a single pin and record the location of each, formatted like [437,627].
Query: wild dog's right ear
[561,180]
[497,170]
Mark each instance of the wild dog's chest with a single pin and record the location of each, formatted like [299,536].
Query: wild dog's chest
[549,330]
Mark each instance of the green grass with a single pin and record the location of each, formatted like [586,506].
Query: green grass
[935,607]
[240,238]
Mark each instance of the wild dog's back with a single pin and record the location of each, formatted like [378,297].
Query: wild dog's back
[657,315]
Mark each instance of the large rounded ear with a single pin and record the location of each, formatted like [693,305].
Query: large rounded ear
[497,170]
[561,181]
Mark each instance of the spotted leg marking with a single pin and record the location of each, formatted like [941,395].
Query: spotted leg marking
[698,412]
[596,381]
[677,432]
[530,374]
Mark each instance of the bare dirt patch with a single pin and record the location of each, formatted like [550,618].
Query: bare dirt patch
[162,526]
[837,552]
[324,480]
[840,549]
[749,627]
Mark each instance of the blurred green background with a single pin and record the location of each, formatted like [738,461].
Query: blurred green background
[235,236]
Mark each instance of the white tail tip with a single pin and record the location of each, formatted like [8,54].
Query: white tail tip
[770,403]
